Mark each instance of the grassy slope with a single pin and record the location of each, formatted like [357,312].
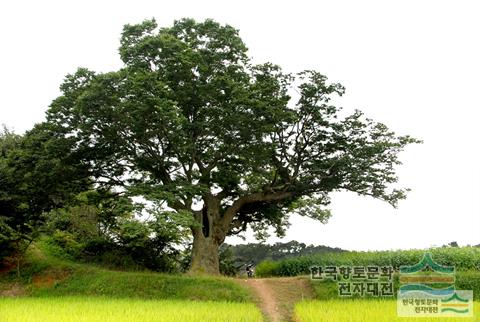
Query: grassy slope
[44,275]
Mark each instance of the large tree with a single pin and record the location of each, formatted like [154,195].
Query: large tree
[192,124]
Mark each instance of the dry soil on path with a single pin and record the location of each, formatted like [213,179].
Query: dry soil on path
[276,297]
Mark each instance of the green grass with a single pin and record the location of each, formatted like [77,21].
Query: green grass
[97,309]
[87,281]
[324,290]
[329,307]
[44,275]
[361,311]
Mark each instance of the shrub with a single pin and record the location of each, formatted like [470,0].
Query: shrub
[102,228]
[70,248]
[267,268]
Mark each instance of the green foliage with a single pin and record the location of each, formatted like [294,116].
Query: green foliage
[325,290]
[12,228]
[68,246]
[37,173]
[132,247]
[149,245]
[463,258]
[258,252]
[267,268]
[80,221]
[101,227]
[227,261]
[189,113]
[469,280]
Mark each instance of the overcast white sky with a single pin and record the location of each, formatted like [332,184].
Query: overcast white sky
[413,65]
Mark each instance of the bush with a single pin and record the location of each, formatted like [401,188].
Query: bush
[107,235]
[267,268]
[70,248]
[469,281]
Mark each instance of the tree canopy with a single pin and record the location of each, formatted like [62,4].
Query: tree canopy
[37,173]
[190,123]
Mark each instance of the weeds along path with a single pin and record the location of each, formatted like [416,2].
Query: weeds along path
[276,297]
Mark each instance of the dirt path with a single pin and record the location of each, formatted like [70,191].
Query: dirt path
[266,298]
[276,297]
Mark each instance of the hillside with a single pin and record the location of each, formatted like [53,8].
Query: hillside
[44,275]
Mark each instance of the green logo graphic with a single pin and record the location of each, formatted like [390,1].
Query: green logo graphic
[426,262]
[428,289]
[455,304]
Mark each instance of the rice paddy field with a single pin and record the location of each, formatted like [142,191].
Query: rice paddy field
[370,310]
[97,309]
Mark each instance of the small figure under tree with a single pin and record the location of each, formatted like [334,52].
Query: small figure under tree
[192,124]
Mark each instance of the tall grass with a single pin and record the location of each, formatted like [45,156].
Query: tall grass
[361,311]
[82,309]
[463,258]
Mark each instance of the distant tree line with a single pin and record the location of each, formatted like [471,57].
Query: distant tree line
[234,258]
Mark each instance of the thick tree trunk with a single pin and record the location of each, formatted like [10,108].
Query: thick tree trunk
[214,228]
[204,255]
[207,238]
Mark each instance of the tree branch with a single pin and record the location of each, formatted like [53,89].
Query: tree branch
[254,197]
